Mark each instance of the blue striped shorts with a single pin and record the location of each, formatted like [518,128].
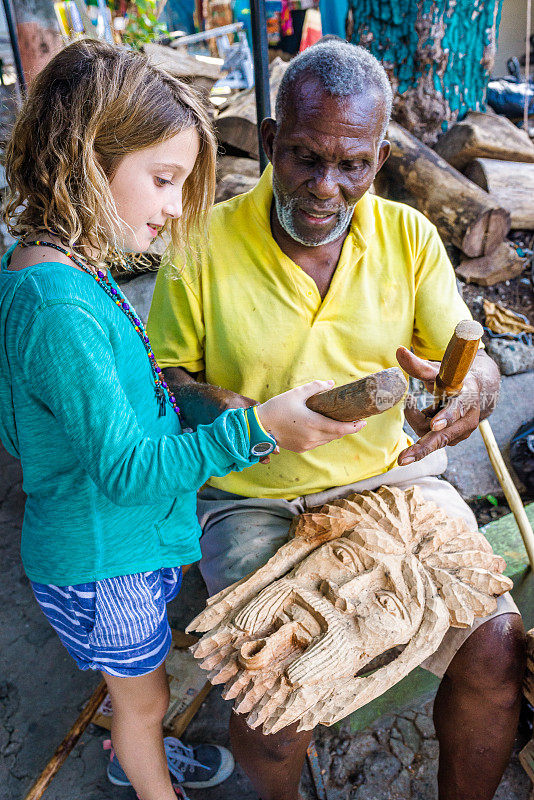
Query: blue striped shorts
[116,625]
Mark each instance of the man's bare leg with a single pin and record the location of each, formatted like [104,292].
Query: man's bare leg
[273,763]
[477,709]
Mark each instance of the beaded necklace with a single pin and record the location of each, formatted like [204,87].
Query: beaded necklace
[162,391]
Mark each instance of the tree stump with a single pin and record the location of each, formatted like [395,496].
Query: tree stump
[438,56]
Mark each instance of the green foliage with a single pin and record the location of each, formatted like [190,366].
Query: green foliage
[143,25]
[489,497]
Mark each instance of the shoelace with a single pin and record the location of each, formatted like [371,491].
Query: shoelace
[180,758]
[171,744]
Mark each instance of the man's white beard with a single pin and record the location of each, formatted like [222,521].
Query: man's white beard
[285,208]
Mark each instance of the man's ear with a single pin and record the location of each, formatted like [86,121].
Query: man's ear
[383,154]
[268,132]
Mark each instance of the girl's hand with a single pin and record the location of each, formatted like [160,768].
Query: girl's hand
[295,427]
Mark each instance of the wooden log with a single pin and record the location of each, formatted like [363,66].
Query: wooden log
[463,213]
[231,185]
[227,165]
[501,265]
[484,136]
[180,64]
[236,125]
[511,184]
[361,399]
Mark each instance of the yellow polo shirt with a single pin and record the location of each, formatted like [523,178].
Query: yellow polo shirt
[255,322]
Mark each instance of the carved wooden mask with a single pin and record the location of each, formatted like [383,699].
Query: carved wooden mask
[359,577]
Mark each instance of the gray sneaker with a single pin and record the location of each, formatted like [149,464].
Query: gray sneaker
[199,766]
[196,767]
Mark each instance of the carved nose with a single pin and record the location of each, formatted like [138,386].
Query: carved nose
[331,591]
[260,653]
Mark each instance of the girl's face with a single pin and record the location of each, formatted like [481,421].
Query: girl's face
[147,187]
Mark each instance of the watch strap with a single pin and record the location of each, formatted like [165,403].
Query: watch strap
[261,441]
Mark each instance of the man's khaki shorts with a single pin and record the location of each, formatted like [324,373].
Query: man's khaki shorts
[240,533]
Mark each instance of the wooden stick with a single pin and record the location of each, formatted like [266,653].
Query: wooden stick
[509,489]
[364,398]
[70,740]
[459,356]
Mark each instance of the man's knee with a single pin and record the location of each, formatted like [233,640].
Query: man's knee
[274,748]
[492,660]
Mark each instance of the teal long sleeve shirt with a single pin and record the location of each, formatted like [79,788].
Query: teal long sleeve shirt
[111,485]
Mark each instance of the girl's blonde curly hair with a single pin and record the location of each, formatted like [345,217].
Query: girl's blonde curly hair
[91,105]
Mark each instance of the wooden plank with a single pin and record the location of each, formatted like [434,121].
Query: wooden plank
[181,64]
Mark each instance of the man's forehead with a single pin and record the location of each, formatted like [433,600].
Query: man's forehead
[322,140]
[319,118]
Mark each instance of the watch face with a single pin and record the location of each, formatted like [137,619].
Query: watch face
[262,448]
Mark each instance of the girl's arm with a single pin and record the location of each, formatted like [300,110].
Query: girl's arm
[69,364]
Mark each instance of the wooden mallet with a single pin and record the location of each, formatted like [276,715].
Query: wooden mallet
[457,361]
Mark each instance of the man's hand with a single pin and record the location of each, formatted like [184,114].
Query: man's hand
[460,416]
[201,403]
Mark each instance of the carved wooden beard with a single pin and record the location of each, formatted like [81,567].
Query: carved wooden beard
[361,576]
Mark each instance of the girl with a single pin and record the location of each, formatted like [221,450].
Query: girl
[104,151]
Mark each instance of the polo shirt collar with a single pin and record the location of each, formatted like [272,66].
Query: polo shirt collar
[362,225]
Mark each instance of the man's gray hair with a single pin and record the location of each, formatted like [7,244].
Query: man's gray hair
[341,68]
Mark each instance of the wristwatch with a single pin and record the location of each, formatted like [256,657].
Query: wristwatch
[261,442]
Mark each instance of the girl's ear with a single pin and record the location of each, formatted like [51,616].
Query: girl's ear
[107,167]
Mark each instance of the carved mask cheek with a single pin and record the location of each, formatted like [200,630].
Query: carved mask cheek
[386,614]
[338,561]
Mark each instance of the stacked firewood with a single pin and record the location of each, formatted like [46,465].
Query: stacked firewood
[475,185]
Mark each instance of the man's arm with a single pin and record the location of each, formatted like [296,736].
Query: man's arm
[200,403]
[461,415]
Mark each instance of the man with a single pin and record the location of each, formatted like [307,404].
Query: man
[309,275]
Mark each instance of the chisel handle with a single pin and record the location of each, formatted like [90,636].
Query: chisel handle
[457,361]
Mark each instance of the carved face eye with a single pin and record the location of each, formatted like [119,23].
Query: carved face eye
[346,557]
[391,604]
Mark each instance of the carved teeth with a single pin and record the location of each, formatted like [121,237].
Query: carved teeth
[225,671]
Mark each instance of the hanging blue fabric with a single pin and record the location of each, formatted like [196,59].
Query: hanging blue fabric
[333,16]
